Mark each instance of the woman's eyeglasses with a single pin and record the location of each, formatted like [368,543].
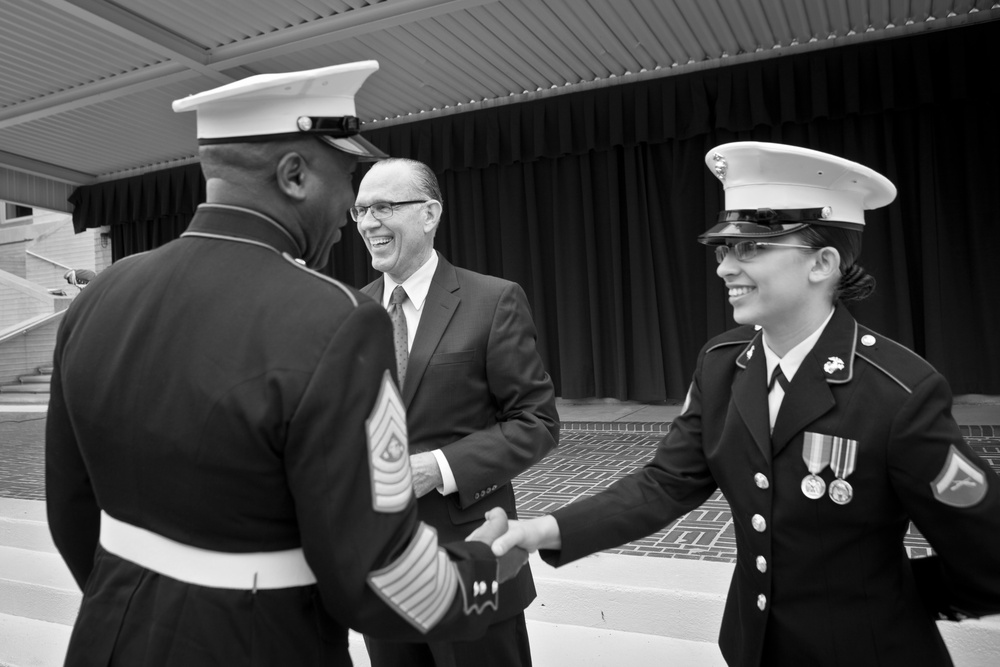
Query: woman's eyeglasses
[745,250]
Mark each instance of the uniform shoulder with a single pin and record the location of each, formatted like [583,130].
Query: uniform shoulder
[899,363]
[352,295]
[738,336]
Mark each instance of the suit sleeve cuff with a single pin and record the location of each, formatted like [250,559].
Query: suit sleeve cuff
[448,484]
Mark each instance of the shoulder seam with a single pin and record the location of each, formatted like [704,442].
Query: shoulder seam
[907,389]
[729,342]
[346,290]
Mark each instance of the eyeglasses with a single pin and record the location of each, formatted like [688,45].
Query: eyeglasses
[748,249]
[381,210]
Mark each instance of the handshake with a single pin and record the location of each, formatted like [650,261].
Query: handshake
[511,541]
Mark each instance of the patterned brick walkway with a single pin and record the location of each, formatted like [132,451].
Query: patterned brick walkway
[590,458]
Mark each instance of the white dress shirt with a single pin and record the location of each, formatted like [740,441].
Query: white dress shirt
[417,286]
[789,365]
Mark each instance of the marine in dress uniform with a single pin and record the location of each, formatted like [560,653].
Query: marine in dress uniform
[822,486]
[226,466]
[479,402]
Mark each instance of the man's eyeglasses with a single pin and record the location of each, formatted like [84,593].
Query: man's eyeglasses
[745,250]
[381,210]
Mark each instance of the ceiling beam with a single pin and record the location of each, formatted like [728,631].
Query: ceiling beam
[103,90]
[143,33]
[355,23]
[44,169]
[189,60]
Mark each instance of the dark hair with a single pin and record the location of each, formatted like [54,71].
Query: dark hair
[855,283]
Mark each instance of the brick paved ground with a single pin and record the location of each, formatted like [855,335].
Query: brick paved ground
[589,458]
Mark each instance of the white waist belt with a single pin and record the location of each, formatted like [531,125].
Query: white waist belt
[215,569]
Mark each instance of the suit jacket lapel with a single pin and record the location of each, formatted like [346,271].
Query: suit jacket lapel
[809,396]
[374,289]
[439,308]
[750,394]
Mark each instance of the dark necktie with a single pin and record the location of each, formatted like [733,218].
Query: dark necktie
[776,389]
[399,331]
[779,377]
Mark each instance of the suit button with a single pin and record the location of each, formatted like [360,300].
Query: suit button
[495,588]
[761,602]
[760,479]
[477,495]
[761,563]
[759,524]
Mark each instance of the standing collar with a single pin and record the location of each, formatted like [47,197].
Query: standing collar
[238,223]
[793,358]
[416,286]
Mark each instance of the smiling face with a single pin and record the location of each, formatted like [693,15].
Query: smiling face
[400,244]
[774,289]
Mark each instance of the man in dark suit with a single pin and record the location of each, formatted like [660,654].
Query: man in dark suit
[480,406]
[235,489]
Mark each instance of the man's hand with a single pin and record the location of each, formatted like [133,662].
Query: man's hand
[495,527]
[426,473]
[531,535]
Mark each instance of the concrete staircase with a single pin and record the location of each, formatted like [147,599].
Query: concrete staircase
[38,597]
[29,389]
[604,610]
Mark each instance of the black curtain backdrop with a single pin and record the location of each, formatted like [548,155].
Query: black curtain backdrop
[592,202]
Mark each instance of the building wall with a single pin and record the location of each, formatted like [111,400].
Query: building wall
[35,253]
[25,354]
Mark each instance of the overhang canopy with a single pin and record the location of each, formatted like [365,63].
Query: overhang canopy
[86,87]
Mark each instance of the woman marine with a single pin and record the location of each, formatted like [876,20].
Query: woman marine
[825,437]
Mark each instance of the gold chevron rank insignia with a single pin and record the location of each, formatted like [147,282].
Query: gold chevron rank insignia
[960,483]
[388,450]
[420,585]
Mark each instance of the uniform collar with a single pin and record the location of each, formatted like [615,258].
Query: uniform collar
[794,357]
[236,222]
[834,349]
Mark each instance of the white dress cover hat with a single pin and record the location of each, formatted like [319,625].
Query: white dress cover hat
[775,189]
[275,106]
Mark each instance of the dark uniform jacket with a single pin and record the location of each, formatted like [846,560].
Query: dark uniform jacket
[219,394]
[817,582]
[476,388]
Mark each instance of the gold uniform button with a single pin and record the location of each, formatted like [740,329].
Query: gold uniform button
[868,340]
[761,563]
[761,602]
[758,522]
[495,588]
[760,479]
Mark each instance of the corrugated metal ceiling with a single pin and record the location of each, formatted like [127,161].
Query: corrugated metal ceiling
[86,85]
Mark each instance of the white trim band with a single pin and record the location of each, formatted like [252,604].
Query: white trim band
[215,569]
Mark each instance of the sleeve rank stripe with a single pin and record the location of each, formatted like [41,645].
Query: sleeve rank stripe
[421,583]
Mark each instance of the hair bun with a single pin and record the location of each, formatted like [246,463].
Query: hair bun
[855,284]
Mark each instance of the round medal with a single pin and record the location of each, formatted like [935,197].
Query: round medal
[813,486]
[841,491]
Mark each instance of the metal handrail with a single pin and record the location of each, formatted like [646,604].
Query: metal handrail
[31,324]
[50,261]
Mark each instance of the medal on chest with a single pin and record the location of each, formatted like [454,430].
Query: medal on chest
[842,460]
[816,450]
